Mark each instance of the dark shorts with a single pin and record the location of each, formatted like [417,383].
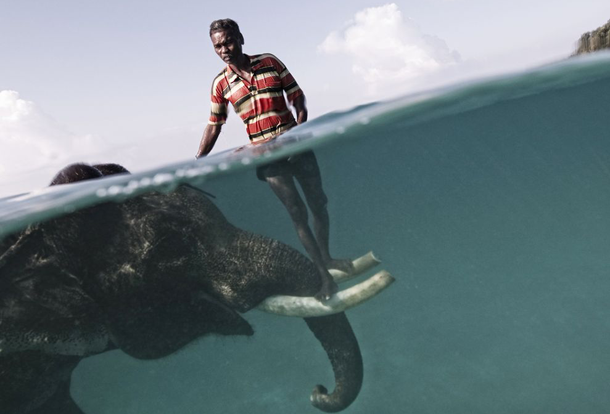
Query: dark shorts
[302,165]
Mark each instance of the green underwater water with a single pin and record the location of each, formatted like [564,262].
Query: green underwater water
[490,205]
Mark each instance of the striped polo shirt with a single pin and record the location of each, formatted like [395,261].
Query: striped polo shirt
[259,103]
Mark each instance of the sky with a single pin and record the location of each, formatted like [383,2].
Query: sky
[129,81]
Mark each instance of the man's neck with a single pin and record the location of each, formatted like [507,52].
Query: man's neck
[242,66]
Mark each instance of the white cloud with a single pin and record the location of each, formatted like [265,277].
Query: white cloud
[386,48]
[33,145]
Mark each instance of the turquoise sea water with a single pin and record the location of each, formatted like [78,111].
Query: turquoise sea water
[489,203]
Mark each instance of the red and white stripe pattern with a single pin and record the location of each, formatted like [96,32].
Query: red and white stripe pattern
[260,103]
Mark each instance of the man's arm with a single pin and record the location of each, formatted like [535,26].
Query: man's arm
[210,135]
[301,108]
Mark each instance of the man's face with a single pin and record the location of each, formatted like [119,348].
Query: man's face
[227,45]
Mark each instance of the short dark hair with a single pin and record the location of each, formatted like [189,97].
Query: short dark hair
[225,24]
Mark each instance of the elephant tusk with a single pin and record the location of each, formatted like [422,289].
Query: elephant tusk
[361,265]
[309,307]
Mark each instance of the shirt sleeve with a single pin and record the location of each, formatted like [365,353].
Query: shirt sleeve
[219,112]
[289,84]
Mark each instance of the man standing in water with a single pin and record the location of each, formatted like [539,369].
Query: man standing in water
[255,86]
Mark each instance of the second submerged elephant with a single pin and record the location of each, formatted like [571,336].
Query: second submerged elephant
[146,276]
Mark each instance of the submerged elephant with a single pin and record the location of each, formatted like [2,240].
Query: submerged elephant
[146,276]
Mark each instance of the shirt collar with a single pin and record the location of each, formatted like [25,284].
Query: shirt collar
[230,69]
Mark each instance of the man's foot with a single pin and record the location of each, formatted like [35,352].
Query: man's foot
[345,265]
[329,288]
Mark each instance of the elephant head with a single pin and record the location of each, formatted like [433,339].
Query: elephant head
[146,276]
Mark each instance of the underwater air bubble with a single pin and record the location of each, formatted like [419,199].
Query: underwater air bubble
[145,182]
[163,178]
[133,184]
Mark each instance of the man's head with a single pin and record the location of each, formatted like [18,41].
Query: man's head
[227,40]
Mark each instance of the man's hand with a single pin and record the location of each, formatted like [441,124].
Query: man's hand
[301,109]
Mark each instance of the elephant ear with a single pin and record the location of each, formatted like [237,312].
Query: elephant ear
[153,325]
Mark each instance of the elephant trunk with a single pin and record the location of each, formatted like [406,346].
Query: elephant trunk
[276,269]
[336,336]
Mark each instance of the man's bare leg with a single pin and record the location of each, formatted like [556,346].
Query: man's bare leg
[285,189]
[317,201]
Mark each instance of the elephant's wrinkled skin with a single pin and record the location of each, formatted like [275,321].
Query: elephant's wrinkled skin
[147,276]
